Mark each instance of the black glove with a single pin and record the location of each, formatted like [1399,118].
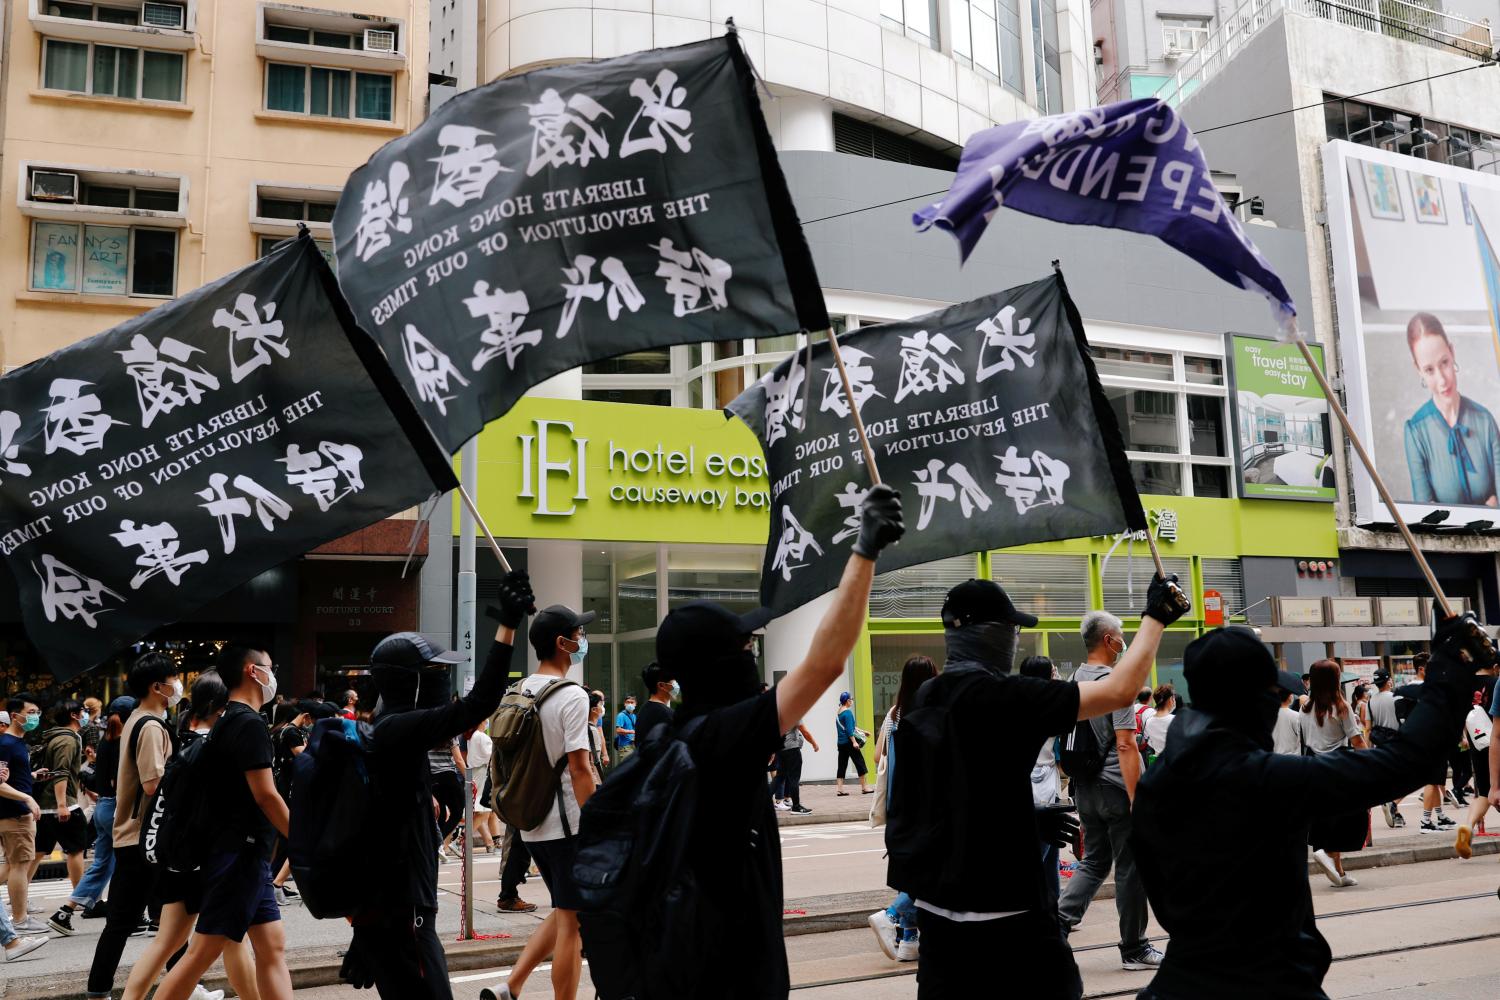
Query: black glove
[1460,646]
[880,521]
[1165,601]
[357,970]
[1057,824]
[516,599]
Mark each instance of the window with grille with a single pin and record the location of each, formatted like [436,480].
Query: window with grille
[850,135]
[1128,573]
[918,591]
[1225,576]
[1045,586]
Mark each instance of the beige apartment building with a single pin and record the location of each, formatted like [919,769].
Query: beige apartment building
[150,146]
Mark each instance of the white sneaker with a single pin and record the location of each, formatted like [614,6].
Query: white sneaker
[781,805]
[500,992]
[25,946]
[1348,880]
[31,925]
[1329,868]
[906,951]
[885,933]
[201,993]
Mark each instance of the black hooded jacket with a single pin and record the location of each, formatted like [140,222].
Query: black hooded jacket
[1241,916]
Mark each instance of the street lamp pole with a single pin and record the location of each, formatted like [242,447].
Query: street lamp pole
[468,586]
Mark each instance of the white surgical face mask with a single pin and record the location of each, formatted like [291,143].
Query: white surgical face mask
[576,657]
[267,690]
[676,690]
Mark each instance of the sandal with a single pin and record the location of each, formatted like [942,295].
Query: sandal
[841,793]
[867,791]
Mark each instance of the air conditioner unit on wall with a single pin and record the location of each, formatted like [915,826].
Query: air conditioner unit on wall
[1172,53]
[164,15]
[51,185]
[380,40]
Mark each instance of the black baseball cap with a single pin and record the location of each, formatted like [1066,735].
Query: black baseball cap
[1290,682]
[411,650]
[1381,676]
[702,630]
[978,601]
[556,620]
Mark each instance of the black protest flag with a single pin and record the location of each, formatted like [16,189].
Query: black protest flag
[572,214]
[988,417]
[153,467]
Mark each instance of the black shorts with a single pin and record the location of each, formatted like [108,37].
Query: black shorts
[72,836]
[554,859]
[1439,777]
[237,894]
[178,887]
[851,754]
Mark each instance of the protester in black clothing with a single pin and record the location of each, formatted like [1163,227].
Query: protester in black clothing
[978,884]
[1241,915]
[396,948]
[235,877]
[661,688]
[734,849]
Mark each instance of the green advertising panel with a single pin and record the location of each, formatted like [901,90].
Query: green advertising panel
[1280,422]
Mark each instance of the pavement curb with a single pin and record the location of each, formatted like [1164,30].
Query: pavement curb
[815,915]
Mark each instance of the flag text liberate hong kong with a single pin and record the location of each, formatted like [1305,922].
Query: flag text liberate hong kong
[987,416]
[569,215]
[1132,165]
[149,469]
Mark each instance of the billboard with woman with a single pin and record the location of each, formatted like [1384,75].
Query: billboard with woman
[1417,293]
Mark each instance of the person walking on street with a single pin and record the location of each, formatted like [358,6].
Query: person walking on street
[60,793]
[1159,720]
[661,689]
[1104,803]
[1434,820]
[395,947]
[1484,760]
[1240,915]
[238,898]
[557,636]
[19,810]
[1384,724]
[851,742]
[789,769]
[1329,724]
[895,926]
[596,712]
[89,892]
[1286,735]
[973,862]
[145,744]
[625,730]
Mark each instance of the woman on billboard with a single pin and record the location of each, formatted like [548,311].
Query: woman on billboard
[1452,443]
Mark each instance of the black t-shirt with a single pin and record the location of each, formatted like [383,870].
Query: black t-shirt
[239,743]
[736,851]
[651,715]
[998,853]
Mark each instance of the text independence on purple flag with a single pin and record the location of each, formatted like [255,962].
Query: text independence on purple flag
[1133,165]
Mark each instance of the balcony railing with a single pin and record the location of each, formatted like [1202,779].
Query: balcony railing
[1400,19]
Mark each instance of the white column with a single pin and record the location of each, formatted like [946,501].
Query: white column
[556,569]
[800,122]
[787,641]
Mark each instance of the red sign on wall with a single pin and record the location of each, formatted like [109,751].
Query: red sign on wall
[1213,608]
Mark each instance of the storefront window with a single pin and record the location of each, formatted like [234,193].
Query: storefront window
[653,362]
[1210,481]
[1169,661]
[598,666]
[598,582]
[728,575]
[1045,586]
[1067,652]
[1159,478]
[1131,363]
[635,588]
[888,655]
[918,591]
[1148,419]
[640,397]
[1128,573]
[633,656]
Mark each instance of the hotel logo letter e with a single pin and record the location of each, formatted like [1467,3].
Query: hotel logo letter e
[546,468]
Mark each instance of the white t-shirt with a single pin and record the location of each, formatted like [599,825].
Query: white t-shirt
[1334,732]
[481,748]
[1156,730]
[565,728]
[1286,736]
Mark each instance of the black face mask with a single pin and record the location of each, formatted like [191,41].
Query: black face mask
[719,682]
[402,688]
[992,644]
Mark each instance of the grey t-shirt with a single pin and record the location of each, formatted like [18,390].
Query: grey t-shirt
[1383,710]
[1105,726]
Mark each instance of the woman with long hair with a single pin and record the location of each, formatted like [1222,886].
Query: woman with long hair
[179,892]
[1328,724]
[1158,722]
[895,926]
[1452,442]
[1362,710]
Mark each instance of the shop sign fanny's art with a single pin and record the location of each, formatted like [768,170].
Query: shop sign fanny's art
[569,215]
[149,469]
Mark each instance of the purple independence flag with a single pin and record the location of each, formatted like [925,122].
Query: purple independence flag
[1133,165]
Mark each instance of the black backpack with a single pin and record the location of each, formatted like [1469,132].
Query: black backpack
[1081,754]
[335,825]
[927,820]
[179,826]
[640,900]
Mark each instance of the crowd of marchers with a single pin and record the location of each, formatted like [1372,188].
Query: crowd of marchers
[668,873]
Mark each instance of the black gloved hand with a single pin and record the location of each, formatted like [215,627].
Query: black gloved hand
[1057,824]
[1460,646]
[880,521]
[1165,601]
[516,599]
[357,970]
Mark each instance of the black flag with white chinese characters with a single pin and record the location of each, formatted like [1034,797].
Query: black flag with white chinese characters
[149,469]
[987,416]
[570,215]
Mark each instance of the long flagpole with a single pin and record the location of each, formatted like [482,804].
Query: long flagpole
[1364,456]
[859,423]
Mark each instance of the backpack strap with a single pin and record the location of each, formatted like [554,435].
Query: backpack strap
[135,739]
[552,686]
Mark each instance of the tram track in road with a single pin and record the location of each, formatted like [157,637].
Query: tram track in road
[885,974]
